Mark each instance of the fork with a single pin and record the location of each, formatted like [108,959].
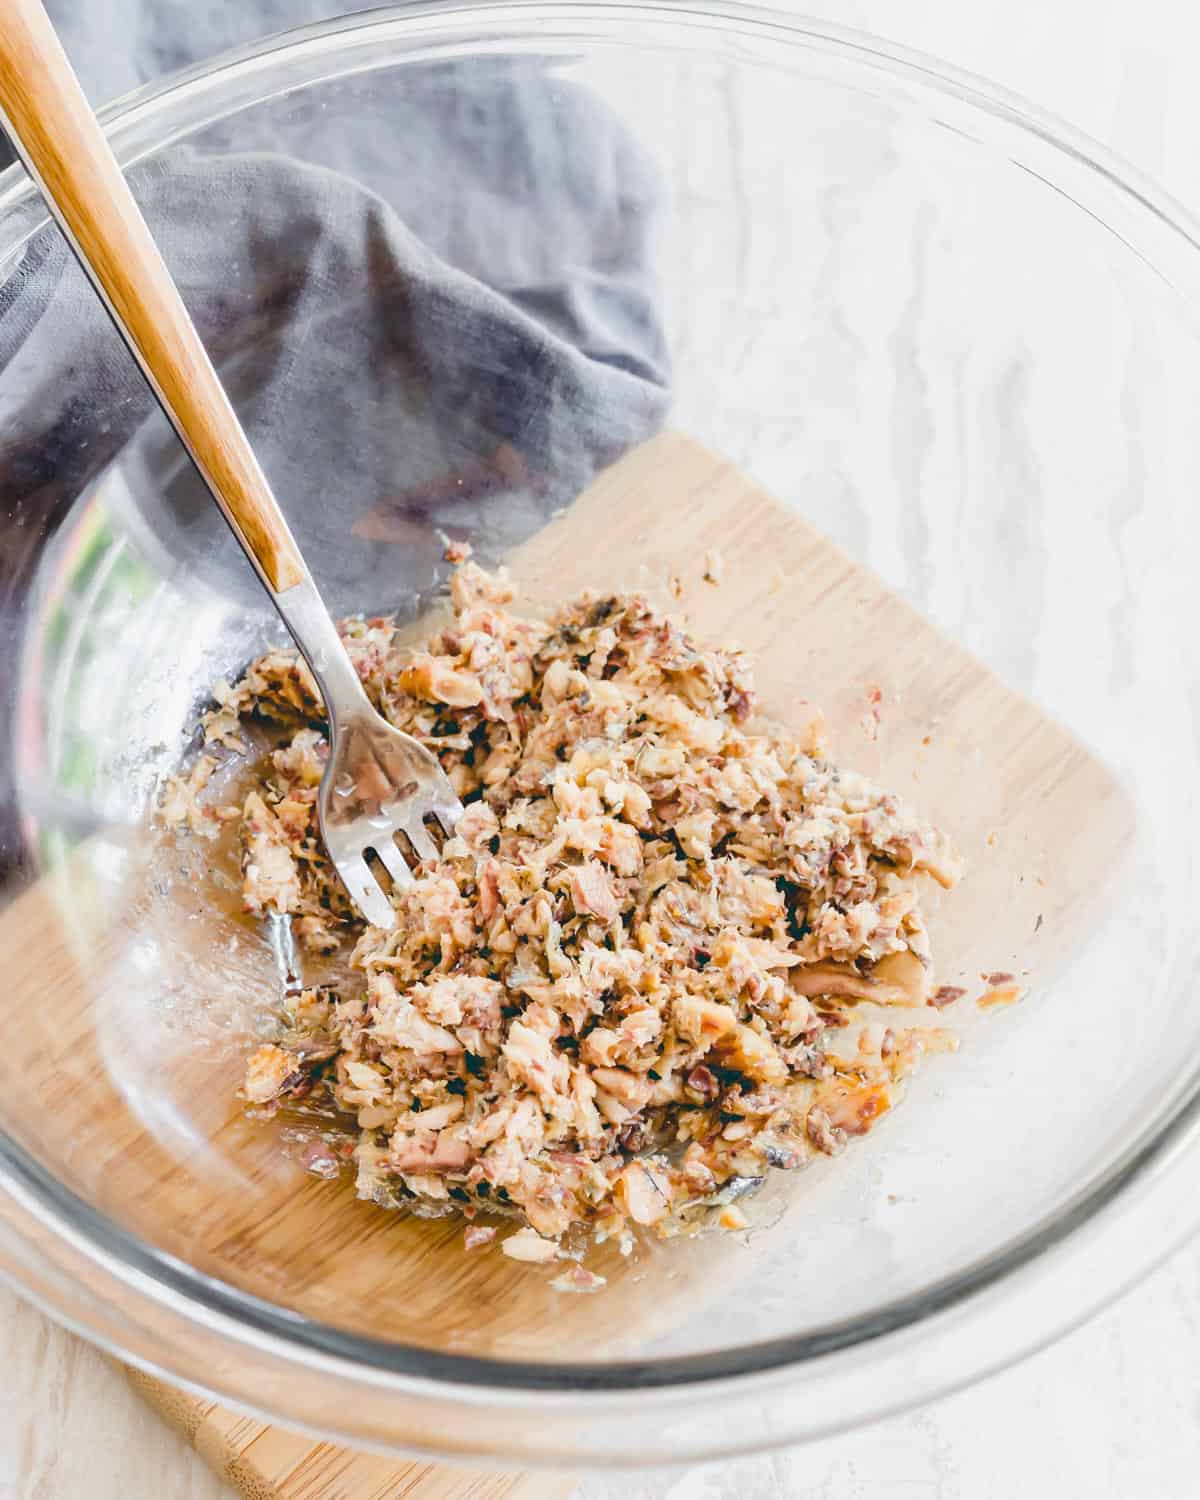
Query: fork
[378,782]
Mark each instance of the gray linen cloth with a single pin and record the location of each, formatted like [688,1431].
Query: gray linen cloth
[430,296]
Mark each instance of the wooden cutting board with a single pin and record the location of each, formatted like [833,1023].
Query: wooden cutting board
[1035,814]
[263,1462]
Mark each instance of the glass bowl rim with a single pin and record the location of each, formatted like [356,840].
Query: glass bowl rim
[146,1271]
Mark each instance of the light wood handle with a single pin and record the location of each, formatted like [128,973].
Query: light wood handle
[57,136]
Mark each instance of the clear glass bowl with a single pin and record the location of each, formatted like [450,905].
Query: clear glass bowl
[957,338]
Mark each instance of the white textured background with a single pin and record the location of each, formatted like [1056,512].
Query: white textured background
[1114,1410]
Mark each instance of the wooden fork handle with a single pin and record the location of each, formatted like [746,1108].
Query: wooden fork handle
[53,129]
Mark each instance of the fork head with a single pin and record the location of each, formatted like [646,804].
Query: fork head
[380,785]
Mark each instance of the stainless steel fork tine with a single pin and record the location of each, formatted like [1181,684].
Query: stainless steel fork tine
[421,839]
[447,815]
[394,862]
[366,892]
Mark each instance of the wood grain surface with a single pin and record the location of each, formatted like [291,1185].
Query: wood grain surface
[262,1462]
[50,121]
[229,1197]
